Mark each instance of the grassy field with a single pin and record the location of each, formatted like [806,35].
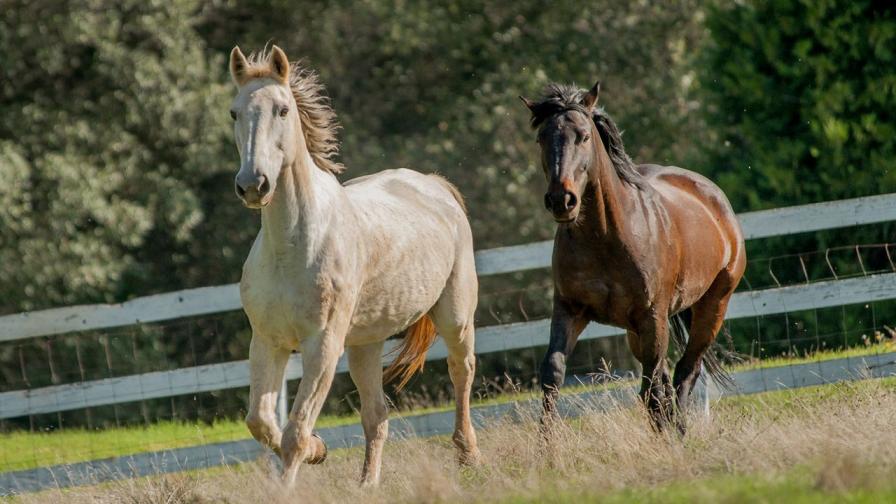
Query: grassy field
[27,450]
[831,443]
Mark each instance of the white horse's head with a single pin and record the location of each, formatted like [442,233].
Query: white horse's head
[266,124]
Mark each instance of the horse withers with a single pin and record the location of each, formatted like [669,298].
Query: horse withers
[341,267]
[635,245]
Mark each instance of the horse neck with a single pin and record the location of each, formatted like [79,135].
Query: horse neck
[295,221]
[609,197]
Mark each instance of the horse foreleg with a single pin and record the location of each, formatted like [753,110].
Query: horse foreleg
[320,354]
[365,365]
[267,364]
[567,323]
[656,386]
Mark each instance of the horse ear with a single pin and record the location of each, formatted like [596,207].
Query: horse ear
[527,101]
[280,64]
[590,99]
[238,66]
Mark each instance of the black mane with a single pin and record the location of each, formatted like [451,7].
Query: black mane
[560,98]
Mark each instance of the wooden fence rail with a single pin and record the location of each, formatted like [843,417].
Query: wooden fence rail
[488,340]
[206,300]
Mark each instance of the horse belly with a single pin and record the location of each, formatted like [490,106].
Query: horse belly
[394,300]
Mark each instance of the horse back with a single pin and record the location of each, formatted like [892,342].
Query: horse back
[416,233]
[705,225]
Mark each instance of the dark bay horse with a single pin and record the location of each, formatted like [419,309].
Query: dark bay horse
[635,245]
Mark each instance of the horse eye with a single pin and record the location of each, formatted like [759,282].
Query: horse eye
[284,111]
[233,115]
[586,137]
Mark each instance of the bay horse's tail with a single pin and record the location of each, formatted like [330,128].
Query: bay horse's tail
[679,329]
[412,352]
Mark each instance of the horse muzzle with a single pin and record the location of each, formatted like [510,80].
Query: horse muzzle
[255,192]
[563,205]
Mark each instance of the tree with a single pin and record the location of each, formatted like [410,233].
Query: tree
[112,123]
[800,99]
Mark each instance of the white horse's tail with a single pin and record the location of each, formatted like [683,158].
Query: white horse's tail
[412,352]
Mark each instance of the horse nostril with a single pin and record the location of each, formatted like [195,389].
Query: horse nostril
[239,190]
[570,200]
[264,187]
[547,201]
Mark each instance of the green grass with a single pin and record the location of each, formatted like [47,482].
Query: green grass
[794,487]
[886,346]
[825,443]
[26,450]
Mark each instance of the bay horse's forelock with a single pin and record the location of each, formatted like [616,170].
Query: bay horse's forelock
[651,242]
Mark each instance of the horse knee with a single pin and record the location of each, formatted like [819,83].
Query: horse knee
[261,425]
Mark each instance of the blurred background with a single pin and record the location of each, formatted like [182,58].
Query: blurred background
[117,159]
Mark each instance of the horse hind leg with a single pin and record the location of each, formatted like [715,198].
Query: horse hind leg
[366,369]
[707,315]
[453,317]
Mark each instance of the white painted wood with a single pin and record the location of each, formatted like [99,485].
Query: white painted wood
[205,300]
[428,424]
[488,340]
[124,389]
[815,295]
[819,216]
[514,258]
[171,305]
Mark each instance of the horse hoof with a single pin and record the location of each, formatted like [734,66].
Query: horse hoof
[320,450]
[469,458]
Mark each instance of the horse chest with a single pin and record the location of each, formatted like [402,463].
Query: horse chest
[281,311]
[611,293]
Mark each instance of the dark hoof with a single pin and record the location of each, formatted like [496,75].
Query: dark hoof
[320,450]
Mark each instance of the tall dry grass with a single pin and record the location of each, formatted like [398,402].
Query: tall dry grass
[842,433]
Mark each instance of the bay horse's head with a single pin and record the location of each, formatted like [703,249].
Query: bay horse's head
[566,133]
[265,124]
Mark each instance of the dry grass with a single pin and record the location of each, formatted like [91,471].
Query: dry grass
[832,441]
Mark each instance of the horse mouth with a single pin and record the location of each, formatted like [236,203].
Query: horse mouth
[564,220]
[255,202]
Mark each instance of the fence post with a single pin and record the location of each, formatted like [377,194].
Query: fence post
[282,404]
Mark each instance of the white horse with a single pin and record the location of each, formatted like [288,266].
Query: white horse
[341,267]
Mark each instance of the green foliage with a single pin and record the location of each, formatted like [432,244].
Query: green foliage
[110,124]
[800,97]
[115,145]
[433,85]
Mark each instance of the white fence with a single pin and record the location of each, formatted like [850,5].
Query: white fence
[208,300]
